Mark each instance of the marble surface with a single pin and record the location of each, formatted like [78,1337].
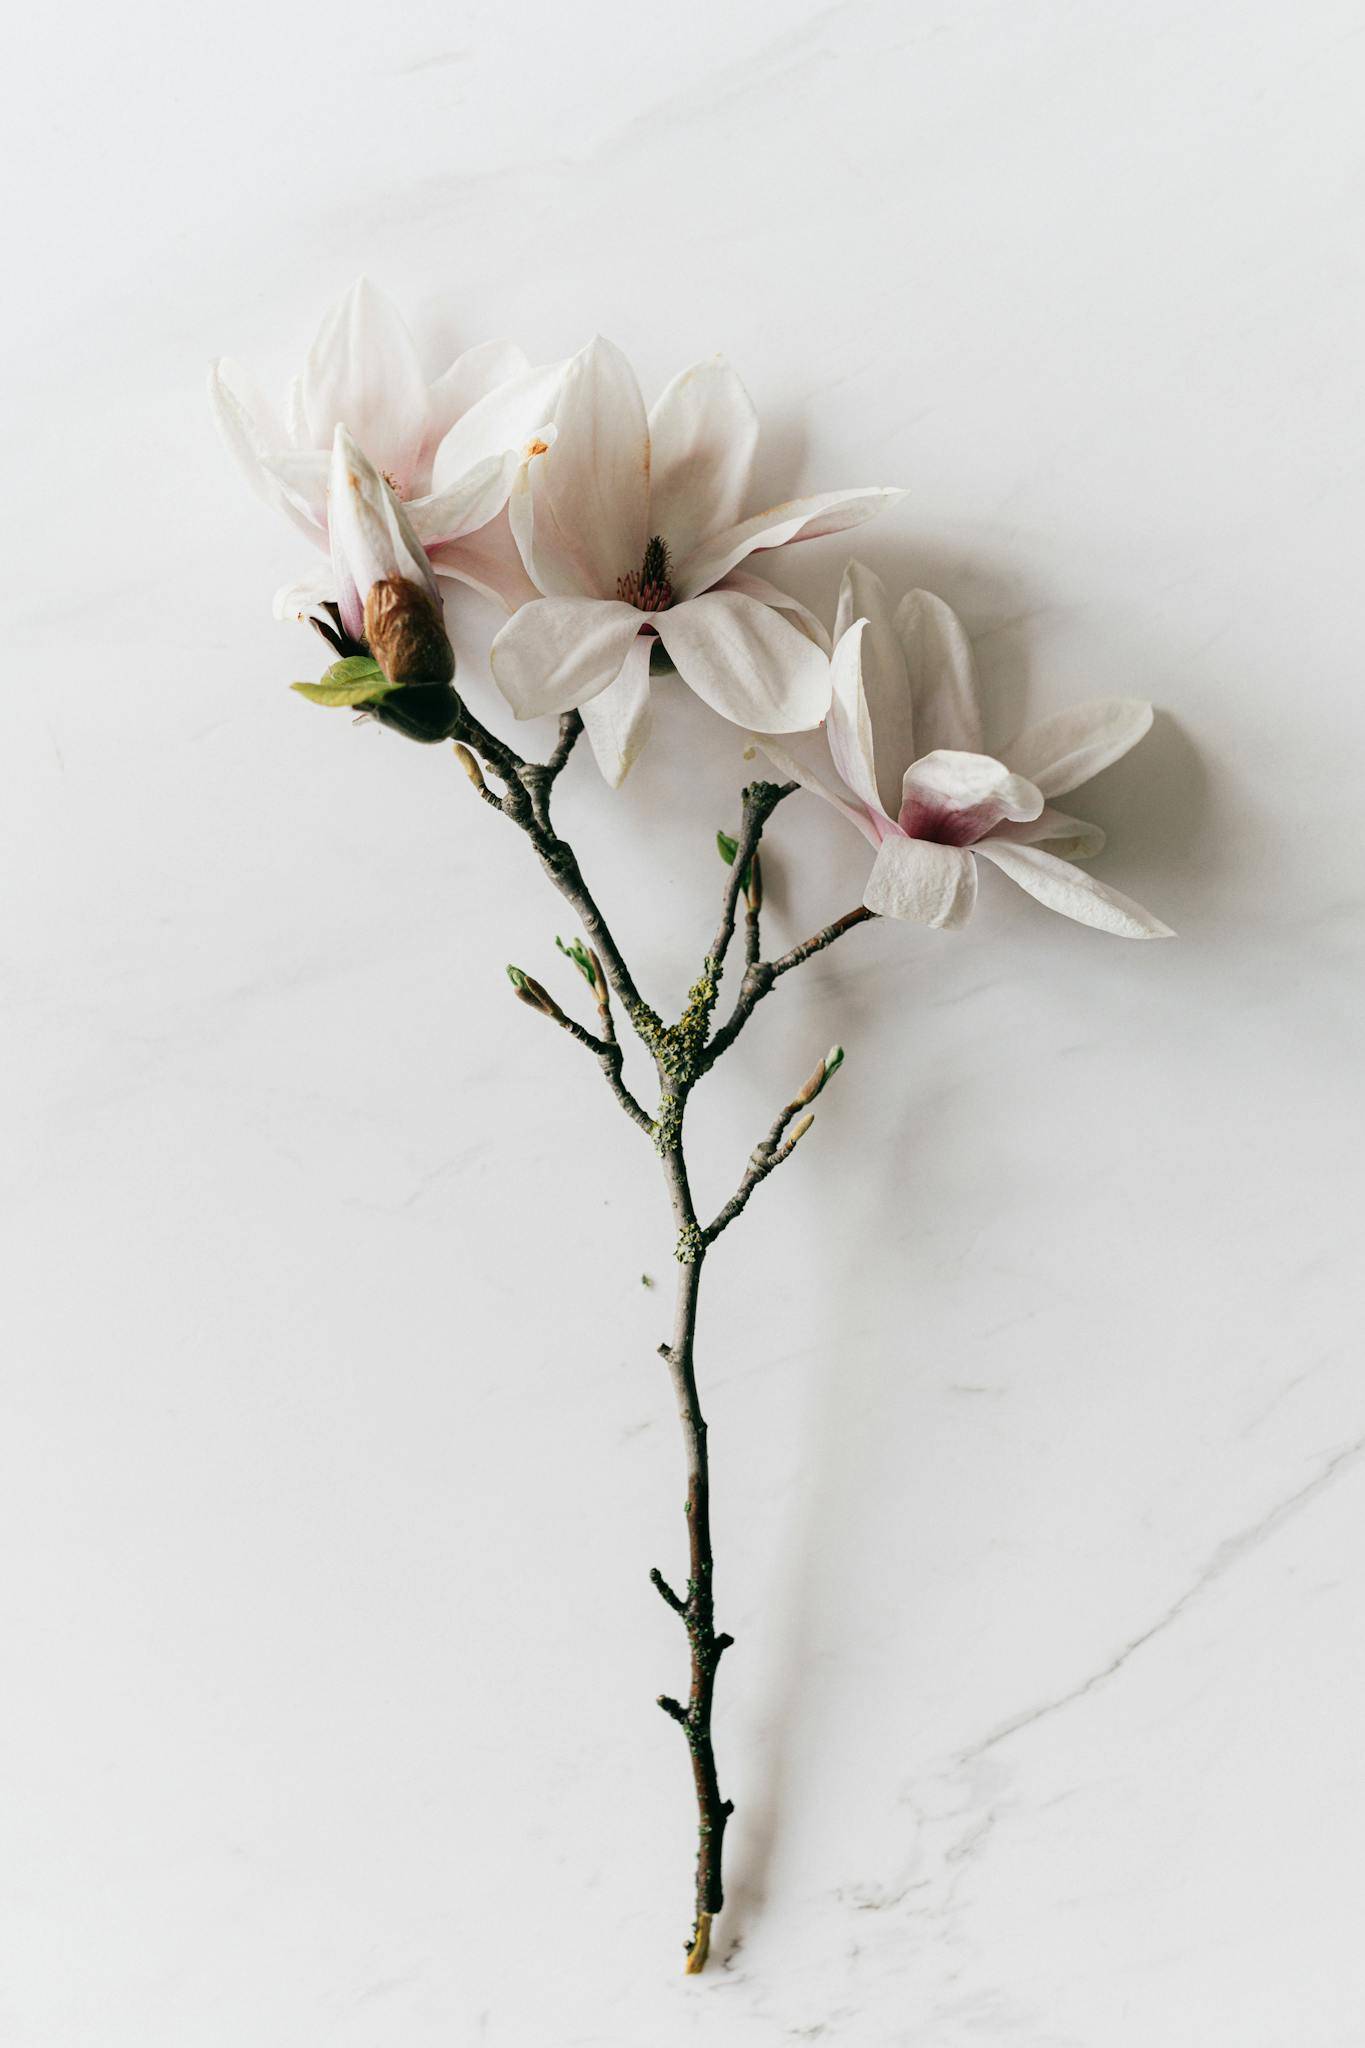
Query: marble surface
[334,1450]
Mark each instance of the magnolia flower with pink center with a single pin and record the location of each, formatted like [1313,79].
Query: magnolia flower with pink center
[633,528]
[901,758]
[449,450]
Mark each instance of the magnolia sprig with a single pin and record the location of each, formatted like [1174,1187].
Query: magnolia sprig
[619,544]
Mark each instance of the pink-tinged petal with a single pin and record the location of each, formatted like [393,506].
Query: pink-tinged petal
[848,727]
[703,432]
[886,687]
[768,593]
[370,534]
[778,527]
[363,374]
[1069,838]
[942,672]
[617,722]
[489,561]
[746,661]
[302,477]
[804,756]
[923,883]
[465,506]
[580,509]
[1073,892]
[1068,749]
[562,651]
[471,377]
[503,421]
[954,798]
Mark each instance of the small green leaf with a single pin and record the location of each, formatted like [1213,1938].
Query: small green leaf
[578,953]
[727,848]
[516,977]
[357,679]
[834,1059]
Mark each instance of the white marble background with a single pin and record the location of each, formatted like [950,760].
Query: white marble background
[334,1447]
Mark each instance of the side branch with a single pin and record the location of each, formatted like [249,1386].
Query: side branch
[760,975]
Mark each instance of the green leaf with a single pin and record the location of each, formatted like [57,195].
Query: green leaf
[727,848]
[578,953]
[516,977]
[834,1059]
[358,679]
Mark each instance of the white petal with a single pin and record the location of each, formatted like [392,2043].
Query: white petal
[1073,892]
[922,882]
[370,534]
[942,672]
[1069,838]
[703,432]
[848,726]
[781,600]
[804,756]
[957,798]
[505,420]
[464,506]
[302,476]
[798,519]
[470,377]
[363,373]
[1068,749]
[886,687]
[251,433]
[580,509]
[297,600]
[489,562]
[745,661]
[561,651]
[617,722]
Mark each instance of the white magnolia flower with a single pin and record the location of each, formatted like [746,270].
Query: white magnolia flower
[633,530]
[449,450]
[904,764]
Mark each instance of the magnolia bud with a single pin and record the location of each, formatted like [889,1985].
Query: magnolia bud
[406,633]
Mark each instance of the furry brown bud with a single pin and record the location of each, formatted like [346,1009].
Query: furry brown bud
[407,634]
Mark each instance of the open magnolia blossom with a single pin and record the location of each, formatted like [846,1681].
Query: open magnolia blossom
[449,450]
[632,529]
[901,758]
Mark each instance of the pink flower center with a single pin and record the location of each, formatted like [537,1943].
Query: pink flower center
[648,587]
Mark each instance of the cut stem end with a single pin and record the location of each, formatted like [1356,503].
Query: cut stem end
[701,1947]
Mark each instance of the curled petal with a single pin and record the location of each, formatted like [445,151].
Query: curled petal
[779,526]
[848,727]
[703,432]
[957,798]
[617,721]
[885,684]
[1069,838]
[1068,749]
[1073,892]
[942,672]
[923,883]
[298,599]
[252,434]
[745,661]
[562,651]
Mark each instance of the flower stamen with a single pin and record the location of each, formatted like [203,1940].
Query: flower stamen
[648,587]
